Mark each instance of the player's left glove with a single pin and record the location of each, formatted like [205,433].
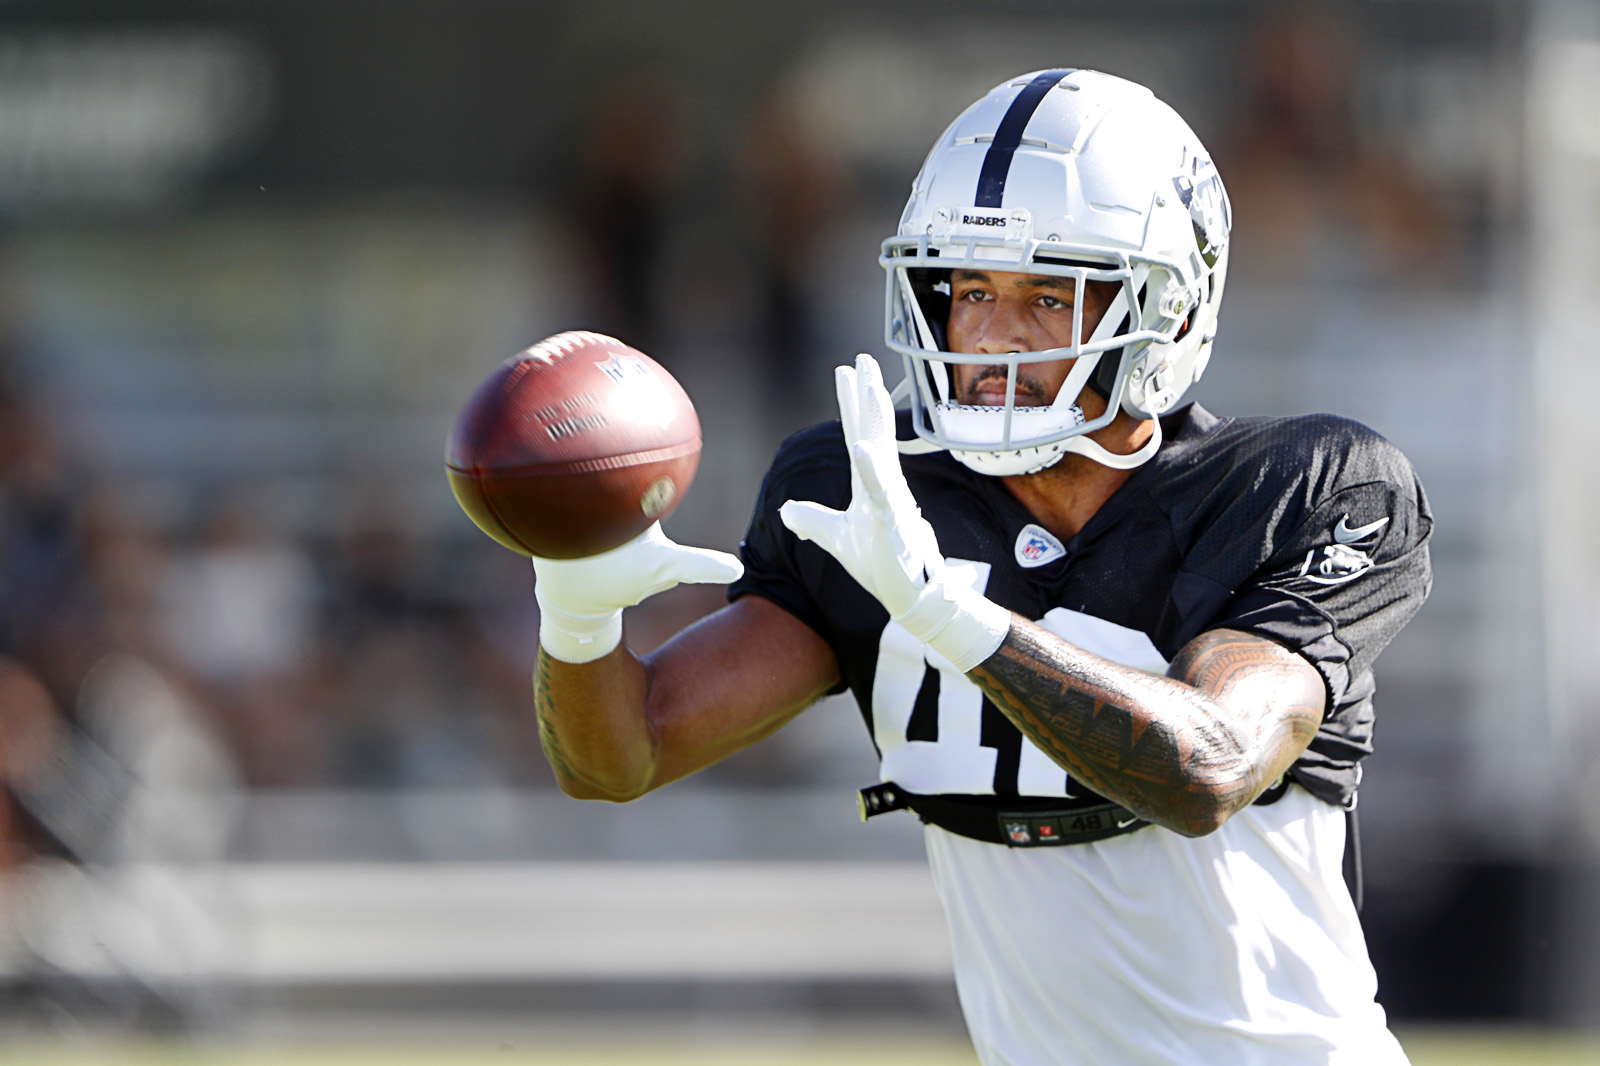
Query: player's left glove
[883,540]
[581,600]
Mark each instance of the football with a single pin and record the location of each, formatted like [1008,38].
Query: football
[573,447]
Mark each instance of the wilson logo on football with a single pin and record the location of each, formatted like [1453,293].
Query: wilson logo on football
[638,393]
[623,368]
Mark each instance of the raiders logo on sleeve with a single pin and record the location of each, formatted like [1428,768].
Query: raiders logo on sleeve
[1344,559]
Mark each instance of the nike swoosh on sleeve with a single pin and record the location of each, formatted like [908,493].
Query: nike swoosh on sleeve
[1343,534]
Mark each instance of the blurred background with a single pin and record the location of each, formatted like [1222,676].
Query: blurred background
[266,744]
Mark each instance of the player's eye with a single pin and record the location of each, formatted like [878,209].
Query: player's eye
[1053,303]
[973,295]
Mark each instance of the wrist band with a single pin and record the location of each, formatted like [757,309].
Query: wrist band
[577,638]
[964,626]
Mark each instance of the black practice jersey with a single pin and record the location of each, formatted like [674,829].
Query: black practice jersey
[1311,531]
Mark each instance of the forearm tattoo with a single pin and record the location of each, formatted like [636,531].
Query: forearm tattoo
[544,707]
[1171,752]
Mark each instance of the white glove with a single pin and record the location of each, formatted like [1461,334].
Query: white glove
[581,600]
[883,540]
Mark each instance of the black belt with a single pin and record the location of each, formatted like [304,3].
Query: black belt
[1016,823]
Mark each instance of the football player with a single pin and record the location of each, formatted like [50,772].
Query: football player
[1115,652]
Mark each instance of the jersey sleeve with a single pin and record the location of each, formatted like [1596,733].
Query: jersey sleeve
[1341,565]
[1343,583]
[795,574]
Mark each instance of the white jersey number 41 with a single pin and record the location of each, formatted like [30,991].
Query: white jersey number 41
[957,762]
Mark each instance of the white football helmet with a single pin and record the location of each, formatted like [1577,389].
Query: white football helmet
[1080,175]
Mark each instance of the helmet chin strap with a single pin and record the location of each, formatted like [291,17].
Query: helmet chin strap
[1080,443]
[916,446]
[1116,460]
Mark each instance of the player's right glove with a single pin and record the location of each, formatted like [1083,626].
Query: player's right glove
[581,600]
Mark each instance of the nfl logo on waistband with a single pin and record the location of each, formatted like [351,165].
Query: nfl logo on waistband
[1018,832]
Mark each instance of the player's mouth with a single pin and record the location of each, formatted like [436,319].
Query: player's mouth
[989,390]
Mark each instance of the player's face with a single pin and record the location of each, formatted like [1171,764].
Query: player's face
[998,312]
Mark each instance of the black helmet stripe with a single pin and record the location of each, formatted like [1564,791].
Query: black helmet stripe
[997,164]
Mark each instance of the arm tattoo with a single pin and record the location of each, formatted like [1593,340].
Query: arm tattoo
[544,708]
[1185,751]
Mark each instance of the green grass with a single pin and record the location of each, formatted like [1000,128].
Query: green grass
[1500,1047]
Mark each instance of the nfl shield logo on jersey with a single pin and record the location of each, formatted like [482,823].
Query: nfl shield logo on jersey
[1018,832]
[1037,546]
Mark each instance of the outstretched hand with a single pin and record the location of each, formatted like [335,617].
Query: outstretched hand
[581,600]
[881,538]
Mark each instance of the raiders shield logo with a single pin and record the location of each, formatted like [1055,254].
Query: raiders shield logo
[1334,565]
